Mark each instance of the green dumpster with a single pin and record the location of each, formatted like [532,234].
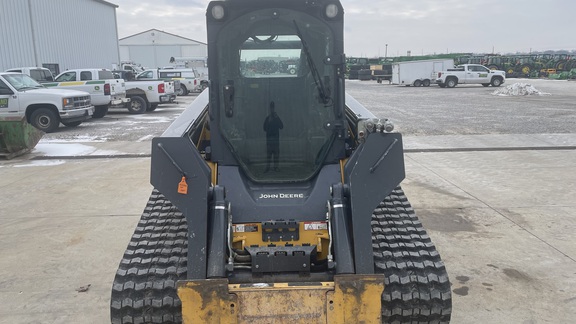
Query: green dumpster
[17,136]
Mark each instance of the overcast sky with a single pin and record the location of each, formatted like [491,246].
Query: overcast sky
[419,26]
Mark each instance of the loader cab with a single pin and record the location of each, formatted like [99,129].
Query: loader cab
[284,63]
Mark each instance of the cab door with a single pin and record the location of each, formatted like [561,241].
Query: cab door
[9,105]
[477,74]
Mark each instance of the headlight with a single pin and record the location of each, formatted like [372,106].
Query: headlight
[331,11]
[218,12]
[68,103]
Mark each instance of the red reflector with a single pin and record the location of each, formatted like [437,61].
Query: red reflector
[439,74]
[107,89]
[161,88]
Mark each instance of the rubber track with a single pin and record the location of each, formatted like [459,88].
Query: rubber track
[416,286]
[417,289]
[144,289]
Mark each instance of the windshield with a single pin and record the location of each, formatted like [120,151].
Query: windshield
[66,76]
[22,82]
[145,75]
[272,114]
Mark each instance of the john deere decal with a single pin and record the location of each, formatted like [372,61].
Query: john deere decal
[3,102]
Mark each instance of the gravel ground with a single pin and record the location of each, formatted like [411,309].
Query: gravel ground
[471,109]
[464,110]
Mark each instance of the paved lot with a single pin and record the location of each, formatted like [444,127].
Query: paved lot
[503,220]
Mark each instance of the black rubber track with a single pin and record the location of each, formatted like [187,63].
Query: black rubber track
[417,289]
[144,290]
[416,286]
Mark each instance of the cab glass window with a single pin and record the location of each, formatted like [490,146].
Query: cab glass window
[271,113]
[4,90]
[85,75]
[170,74]
[270,56]
[22,82]
[105,75]
[66,76]
[145,75]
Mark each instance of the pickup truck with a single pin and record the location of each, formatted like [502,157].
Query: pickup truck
[470,74]
[187,77]
[21,96]
[145,95]
[104,90]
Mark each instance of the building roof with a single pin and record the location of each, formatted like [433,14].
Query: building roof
[107,3]
[161,31]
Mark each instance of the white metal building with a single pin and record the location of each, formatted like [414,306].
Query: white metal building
[58,34]
[154,48]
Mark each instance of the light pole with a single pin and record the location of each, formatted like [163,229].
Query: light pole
[386,52]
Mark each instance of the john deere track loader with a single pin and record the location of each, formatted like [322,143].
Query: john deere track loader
[277,195]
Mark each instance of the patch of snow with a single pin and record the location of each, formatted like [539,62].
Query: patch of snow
[40,163]
[105,152]
[52,149]
[519,89]
[151,119]
[63,149]
[145,138]
[79,138]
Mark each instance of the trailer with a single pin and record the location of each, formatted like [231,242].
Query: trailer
[419,73]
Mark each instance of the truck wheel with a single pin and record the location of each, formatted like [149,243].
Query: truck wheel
[72,124]
[451,82]
[426,83]
[417,83]
[137,105]
[496,82]
[182,91]
[45,120]
[152,107]
[485,84]
[100,111]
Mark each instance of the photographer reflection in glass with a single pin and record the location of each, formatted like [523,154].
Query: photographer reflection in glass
[272,126]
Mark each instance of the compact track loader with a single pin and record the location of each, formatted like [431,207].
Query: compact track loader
[277,195]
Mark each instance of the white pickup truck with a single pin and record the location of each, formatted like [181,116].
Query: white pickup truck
[145,95]
[104,90]
[187,77]
[470,74]
[21,96]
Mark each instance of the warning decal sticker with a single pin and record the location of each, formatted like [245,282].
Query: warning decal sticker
[314,226]
[245,228]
